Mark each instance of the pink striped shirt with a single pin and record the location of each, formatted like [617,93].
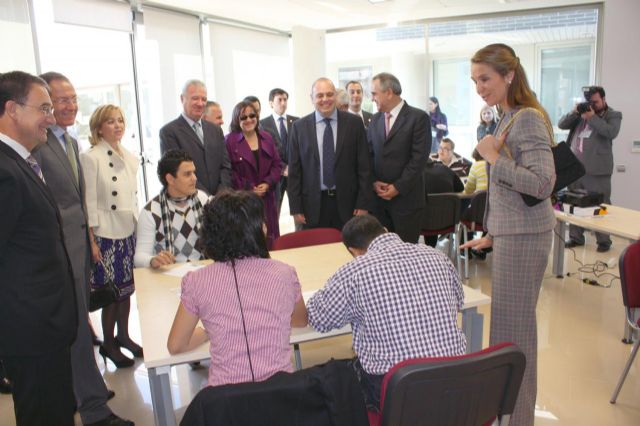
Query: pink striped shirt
[269,290]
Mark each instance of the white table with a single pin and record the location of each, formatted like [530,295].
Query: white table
[157,297]
[621,222]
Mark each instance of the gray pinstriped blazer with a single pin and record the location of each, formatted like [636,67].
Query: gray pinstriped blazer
[531,171]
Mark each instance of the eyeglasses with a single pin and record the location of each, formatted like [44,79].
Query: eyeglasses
[66,101]
[45,110]
[245,117]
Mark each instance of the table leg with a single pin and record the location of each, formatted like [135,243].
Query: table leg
[160,385]
[472,327]
[298,358]
[558,248]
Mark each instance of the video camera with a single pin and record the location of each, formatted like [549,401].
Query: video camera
[587,91]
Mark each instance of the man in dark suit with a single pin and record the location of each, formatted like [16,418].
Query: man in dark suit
[60,164]
[38,319]
[202,140]
[397,136]
[329,164]
[279,125]
[354,90]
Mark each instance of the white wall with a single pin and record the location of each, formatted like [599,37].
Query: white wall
[620,75]
[309,64]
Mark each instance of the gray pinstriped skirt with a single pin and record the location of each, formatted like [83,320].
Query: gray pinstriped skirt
[519,262]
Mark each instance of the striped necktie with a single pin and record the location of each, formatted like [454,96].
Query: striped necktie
[35,167]
[197,127]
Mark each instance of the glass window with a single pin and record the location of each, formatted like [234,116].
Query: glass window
[15,37]
[563,73]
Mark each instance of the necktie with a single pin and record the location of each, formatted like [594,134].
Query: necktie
[328,156]
[71,155]
[197,127]
[283,134]
[387,123]
[35,167]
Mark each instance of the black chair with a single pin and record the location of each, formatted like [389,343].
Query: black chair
[466,390]
[471,221]
[630,284]
[441,216]
[323,395]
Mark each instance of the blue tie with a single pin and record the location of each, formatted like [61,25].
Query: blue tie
[283,137]
[328,156]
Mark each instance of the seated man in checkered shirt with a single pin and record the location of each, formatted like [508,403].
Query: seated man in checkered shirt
[401,300]
[169,225]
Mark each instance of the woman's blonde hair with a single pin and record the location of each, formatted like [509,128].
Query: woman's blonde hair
[99,116]
[487,108]
[503,60]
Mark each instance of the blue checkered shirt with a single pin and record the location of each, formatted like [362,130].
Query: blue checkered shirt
[401,300]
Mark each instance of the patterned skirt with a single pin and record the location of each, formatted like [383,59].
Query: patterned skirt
[116,265]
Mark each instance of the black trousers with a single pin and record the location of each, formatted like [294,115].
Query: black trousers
[405,224]
[42,388]
[329,216]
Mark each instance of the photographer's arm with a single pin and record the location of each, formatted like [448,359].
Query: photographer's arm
[608,126]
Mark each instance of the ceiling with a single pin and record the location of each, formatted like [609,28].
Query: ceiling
[283,15]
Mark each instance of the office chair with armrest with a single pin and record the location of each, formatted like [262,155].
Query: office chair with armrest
[441,216]
[630,284]
[471,221]
[465,390]
[307,237]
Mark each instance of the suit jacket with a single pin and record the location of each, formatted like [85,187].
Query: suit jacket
[440,179]
[213,169]
[352,168]
[38,313]
[270,125]
[69,194]
[327,394]
[366,118]
[399,158]
[530,171]
[597,149]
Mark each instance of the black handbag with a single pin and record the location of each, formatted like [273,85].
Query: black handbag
[568,168]
[103,296]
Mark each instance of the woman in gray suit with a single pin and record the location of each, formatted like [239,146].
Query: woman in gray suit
[520,162]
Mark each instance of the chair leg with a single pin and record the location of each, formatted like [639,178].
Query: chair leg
[627,367]
[465,231]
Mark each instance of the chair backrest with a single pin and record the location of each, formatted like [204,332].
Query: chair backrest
[442,211]
[327,394]
[475,212]
[464,390]
[630,275]
[307,237]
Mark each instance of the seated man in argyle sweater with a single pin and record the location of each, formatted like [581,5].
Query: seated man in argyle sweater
[169,224]
[401,299]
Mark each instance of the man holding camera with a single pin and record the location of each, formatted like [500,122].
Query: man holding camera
[593,126]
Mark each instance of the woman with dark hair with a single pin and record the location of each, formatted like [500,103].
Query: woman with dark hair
[487,122]
[439,127]
[246,301]
[520,162]
[255,163]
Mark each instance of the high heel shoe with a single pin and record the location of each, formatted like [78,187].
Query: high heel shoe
[123,362]
[136,350]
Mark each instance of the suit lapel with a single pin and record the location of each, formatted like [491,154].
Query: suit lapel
[342,132]
[313,138]
[54,144]
[28,171]
[243,149]
[190,134]
[398,123]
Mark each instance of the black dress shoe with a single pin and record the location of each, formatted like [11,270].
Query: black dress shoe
[112,420]
[603,248]
[110,394]
[5,386]
[96,341]
[572,244]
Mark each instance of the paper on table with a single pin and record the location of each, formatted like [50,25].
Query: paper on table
[183,269]
[306,295]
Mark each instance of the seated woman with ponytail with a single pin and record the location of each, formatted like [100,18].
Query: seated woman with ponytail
[246,301]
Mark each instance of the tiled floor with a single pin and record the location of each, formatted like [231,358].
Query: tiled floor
[580,354]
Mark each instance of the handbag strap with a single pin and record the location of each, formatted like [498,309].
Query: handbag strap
[510,123]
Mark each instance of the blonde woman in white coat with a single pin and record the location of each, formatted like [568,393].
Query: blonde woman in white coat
[110,173]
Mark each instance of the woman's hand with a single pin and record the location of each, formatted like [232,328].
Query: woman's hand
[478,244]
[441,126]
[95,252]
[489,147]
[261,189]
